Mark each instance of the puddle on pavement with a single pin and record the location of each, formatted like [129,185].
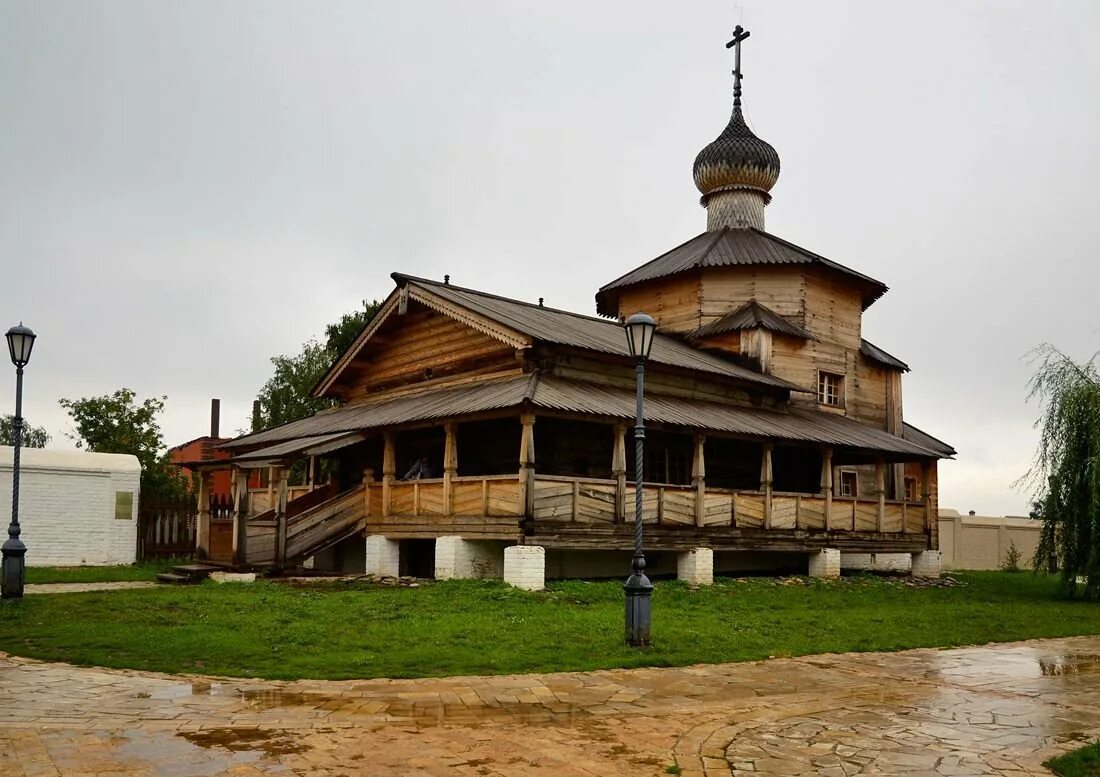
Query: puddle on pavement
[270,700]
[165,753]
[397,711]
[246,740]
[1074,663]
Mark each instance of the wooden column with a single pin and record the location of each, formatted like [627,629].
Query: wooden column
[312,472]
[926,497]
[699,478]
[766,483]
[618,469]
[389,470]
[368,481]
[270,487]
[827,485]
[240,516]
[202,529]
[450,466]
[280,476]
[527,463]
[880,492]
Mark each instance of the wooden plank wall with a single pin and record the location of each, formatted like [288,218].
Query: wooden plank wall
[724,289]
[407,346]
[673,302]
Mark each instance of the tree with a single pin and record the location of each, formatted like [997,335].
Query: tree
[1066,472]
[33,436]
[340,335]
[117,423]
[286,396]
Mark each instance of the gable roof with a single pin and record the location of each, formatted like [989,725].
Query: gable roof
[728,247]
[751,315]
[876,354]
[521,323]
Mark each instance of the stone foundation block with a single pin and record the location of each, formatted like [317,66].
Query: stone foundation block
[525,567]
[696,566]
[926,563]
[875,562]
[383,556]
[825,563]
[460,559]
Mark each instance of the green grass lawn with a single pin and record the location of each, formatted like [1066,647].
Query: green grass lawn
[346,630]
[146,570]
[1080,763]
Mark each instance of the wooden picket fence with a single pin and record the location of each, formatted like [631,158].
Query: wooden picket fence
[166,530]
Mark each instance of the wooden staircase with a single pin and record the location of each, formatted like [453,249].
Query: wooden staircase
[314,522]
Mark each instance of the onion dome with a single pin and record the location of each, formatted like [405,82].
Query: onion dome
[737,159]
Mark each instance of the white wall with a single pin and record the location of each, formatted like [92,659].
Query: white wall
[67,506]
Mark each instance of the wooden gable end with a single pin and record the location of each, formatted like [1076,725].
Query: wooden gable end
[416,346]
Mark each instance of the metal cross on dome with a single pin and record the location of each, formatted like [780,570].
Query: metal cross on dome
[739,34]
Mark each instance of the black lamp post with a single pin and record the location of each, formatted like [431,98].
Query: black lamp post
[639,337]
[20,343]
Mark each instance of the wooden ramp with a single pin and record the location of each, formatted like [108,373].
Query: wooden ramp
[314,522]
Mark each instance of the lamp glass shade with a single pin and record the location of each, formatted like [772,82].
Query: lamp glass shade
[20,343]
[639,335]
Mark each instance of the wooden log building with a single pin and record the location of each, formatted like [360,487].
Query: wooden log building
[476,435]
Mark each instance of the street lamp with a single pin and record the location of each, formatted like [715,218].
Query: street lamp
[639,338]
[20,343]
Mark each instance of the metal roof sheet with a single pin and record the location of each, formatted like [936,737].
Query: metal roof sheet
[876,354]
[562,327]
[925,440]
[427,405]
[552,393]
[728,247]
[307,446]
[794,425]
[752,315]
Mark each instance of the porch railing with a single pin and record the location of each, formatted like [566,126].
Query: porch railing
[579,500]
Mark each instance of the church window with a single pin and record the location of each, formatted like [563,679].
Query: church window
[849,482]
[830,389]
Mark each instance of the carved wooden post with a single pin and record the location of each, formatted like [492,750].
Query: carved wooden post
[698,479]
[527,463]
[202,529]
[618,469]
[880,492]
[827,485]
[280,474]
[389,470]
[766,483]
[450,467]
[240,516]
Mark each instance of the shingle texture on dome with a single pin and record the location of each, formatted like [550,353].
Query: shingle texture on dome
[737,159]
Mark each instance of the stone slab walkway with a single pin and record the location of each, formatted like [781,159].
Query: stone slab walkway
[999,709]
[76,588]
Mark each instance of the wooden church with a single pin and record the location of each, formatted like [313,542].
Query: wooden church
[480,436]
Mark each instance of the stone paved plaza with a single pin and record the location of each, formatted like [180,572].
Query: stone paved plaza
[999,709]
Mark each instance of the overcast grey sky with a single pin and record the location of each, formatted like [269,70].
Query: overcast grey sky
[188,188]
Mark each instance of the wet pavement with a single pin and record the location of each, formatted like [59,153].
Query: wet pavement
[999,709]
